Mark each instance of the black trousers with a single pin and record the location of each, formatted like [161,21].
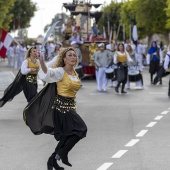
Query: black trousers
[125,79]
[65,144]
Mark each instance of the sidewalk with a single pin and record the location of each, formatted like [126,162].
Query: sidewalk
[4,67]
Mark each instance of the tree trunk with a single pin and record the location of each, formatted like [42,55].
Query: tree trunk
[166,36]
[149,42]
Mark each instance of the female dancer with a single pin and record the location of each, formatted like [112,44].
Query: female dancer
[25,80]
[137,65]
[121,58]
[154,60]
[53,110]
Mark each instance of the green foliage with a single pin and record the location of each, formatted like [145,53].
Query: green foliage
[23,11]
[111,13]
[151,16]
[167,10]
[5,15]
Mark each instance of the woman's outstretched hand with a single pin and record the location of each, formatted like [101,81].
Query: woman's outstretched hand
[40,56]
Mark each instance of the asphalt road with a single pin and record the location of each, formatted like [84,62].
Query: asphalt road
[125,132]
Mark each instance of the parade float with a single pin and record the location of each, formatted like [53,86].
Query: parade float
[83,21]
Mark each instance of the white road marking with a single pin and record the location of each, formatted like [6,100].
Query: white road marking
[6,110]
[164,112]
[93,94]
[105,166]
[12,74]
[141,133]
[119,154]
[158,117]
[132,142]
[151,124]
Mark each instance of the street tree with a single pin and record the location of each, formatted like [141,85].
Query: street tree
[151,17]
[111,17]
[5,15]
[22,11]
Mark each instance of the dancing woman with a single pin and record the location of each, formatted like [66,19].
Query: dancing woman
[121,58]
[53,110]
[26,79]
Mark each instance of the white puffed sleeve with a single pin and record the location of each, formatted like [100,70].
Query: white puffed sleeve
[24,68]
[167,60]
[52,75]
[115,58]
[148,58]
[161,56]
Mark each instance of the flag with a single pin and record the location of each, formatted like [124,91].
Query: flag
[135,33]
[6,41]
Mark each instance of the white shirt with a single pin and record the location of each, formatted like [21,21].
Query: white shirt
[167,60]
[51,62]
[23,51]
[54,75]
[24,67]
[140,49]
[148,57]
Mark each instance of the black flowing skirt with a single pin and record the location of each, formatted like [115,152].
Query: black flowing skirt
[13,89]
[29,87]
[154,67]
[66,121]
[43,115]
[19,84]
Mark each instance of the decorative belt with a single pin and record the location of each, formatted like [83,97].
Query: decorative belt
[124,64]
[64,104]
[32,78]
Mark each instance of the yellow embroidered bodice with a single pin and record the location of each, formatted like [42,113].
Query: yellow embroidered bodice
[67,87]
[121,58]
[68,30]
[32,65]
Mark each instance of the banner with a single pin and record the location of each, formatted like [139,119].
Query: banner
[6,41]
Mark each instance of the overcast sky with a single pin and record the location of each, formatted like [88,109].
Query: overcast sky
[47,9]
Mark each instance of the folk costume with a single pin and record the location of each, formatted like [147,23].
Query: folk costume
[53,111]
[26,81]
[121,59]
[154,60]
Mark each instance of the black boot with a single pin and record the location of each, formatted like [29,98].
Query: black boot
[123,86]
[63,152]
[151,78]
[155,81]
[160,81]
[52,163]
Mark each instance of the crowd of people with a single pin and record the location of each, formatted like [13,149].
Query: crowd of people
[53,109]
[127,62]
